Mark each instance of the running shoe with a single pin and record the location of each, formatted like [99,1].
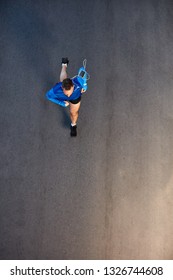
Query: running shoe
[65,60]
[73,132]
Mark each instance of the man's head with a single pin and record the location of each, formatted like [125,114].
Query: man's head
[67,86]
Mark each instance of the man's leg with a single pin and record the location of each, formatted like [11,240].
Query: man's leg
[63,74]
[74,113]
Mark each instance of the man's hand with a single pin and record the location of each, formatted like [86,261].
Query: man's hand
[83,90]
[66,103]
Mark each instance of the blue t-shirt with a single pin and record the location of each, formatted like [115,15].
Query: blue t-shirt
[57,95]
[58,91]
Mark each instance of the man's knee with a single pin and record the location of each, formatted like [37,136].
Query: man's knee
[74,113]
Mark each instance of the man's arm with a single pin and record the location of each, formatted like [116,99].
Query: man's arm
[52,97]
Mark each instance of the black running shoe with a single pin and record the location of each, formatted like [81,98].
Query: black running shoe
[65,60]
[73,130]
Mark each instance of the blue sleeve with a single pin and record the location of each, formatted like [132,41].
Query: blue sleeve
[51,96]
[82,82]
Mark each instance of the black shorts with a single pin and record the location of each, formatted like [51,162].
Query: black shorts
[75,101]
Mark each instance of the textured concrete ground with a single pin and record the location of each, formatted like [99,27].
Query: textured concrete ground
[106,194]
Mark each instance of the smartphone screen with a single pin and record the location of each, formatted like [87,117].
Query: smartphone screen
[82,73]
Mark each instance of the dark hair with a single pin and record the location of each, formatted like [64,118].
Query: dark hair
[67,84]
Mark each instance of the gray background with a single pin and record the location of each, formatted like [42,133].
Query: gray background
[106,194]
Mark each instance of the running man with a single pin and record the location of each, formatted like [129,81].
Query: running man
[67,93]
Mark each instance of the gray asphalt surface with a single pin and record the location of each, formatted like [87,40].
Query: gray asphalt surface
[106,194]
